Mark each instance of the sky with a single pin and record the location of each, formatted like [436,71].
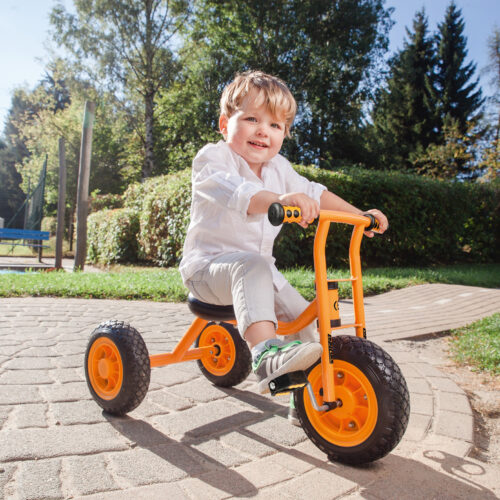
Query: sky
[24,36]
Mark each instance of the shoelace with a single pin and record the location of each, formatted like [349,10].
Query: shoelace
[273,350]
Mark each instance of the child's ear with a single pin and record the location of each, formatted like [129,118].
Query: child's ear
[223,119]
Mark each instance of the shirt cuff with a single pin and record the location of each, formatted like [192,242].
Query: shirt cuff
[241,197]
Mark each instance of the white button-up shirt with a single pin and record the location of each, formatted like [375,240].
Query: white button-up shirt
[222,186]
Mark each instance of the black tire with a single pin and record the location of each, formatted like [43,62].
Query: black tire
[375,422]
[231,361]
[117,367]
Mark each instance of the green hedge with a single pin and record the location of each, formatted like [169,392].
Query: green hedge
[112,236]
[431,222]
[163,206]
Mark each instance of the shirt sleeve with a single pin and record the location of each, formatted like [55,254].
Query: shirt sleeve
[296,183]
[216,179]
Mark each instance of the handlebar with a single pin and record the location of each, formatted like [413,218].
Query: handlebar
[279,214]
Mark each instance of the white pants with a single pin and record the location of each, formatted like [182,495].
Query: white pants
[244,280]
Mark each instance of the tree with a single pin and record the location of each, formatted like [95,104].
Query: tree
[129,43]
[404,115]
[325,51]
[459,98]
[11,194]
[490,158]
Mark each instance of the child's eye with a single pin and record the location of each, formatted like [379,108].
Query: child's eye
[251,119]
[276,125]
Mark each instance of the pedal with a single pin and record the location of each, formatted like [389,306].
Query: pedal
[287,383]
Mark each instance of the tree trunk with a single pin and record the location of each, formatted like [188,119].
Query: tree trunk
[147,168]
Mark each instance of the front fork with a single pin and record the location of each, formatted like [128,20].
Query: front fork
[328,307]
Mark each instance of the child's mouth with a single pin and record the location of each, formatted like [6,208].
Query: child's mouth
[258,144]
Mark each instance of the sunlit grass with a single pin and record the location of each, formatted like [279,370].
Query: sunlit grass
[478,344]
[133,283]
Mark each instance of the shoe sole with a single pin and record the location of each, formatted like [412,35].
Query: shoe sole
[308,356]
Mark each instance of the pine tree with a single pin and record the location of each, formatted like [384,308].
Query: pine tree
[460,99]
[404,115]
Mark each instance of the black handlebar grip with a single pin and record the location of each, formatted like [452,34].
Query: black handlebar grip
[373,224]
[276,214]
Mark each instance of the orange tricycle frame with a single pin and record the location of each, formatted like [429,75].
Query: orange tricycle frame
[320,308]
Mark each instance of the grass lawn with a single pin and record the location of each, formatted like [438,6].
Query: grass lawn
[478,345]
[126,282]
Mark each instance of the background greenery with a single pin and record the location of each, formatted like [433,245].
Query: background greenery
[431,221]
[156,69]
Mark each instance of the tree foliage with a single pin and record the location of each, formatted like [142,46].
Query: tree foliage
[426,118]
[127,43]
[404,115]
[327,52]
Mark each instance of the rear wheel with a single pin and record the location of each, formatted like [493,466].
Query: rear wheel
[230,361]
[375,405]
[117,367]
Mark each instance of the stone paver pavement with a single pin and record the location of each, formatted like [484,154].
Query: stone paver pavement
[189,439]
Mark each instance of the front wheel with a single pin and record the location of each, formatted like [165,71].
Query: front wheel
[375,405]
[117,367]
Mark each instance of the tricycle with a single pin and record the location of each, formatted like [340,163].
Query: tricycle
[353,403]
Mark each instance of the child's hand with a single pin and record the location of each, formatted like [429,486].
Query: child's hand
[382,221]
[308,206]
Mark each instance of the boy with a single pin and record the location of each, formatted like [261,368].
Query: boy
[227,256]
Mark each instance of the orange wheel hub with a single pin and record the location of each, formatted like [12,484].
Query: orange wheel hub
[353,422]
[221,358]
[105,368]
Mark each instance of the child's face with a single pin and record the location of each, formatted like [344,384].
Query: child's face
[253,133]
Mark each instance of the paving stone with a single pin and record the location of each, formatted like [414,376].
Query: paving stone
[72,391]
[444,384]
[454,425]
[29,364]
[205,420]
[157,464]
[454,402]
[219,485]
[265,472]
[18,394]
[11,350]
[248,445]
[169,401]
[30,415]
[89,474]
[39,479]
[215,452]
[64,375]
[4,414]
[169,376]
[422,404]
[201,391]
[148,409]
[276,429]
[418,427]
[32,444]
[72,361]
[26,377]
[77,412]
[171,491]
[418,386]
[318,484]
[35,352]
[6,473]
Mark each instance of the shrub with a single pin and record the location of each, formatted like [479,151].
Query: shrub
[163,204]
[111,236]
[431,222]
[103,201]
[49,224]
